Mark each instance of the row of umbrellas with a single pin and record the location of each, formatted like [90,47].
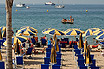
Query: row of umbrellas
[75,32]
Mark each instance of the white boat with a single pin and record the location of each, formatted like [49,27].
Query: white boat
[20,5]
[49,3]
[59,6]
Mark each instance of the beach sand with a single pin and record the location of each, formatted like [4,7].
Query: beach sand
[68,61]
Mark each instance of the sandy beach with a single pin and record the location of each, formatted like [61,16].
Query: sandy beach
[67,62]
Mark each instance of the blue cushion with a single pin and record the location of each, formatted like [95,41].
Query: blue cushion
[44,66]
[19,60]
[46,60]
[55,66]
[48,54]
[94,67]
[48,49]
[83,67]
[2,65]
[81,62]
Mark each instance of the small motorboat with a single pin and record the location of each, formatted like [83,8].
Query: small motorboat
[69,21]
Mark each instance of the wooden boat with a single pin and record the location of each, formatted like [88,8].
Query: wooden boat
[67,22]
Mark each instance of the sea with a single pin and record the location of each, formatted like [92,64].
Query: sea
[38,17]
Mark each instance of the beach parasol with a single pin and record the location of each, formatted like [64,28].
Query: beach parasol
[100,37]
[46,30]
[55,42]
[85,45]
[17,48]
[53,53]
[88,56]
[4,33]
[98,33]
[30,28]
[26,32]
[73,32]
[20,39]
[3,28]
[0,56]
[53,31]
[0,34]
[80,41]
[88,32]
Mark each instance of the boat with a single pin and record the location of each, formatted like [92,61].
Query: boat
[69,21]
[59,6]
[49,3]
[20,5]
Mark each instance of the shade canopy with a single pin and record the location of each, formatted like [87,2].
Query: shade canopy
[53,31]
[73,32]
[27,31]
[20,39]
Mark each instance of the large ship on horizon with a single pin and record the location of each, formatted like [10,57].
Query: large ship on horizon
[49,3]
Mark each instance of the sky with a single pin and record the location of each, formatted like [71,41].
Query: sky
[56,1]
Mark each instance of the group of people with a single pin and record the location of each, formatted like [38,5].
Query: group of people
[69,20]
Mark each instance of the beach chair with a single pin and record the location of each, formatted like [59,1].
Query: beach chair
[46,60]
[77,51]
[19,61]
[94,67]
[58,55]
[48,54]
[80,56]
[44,66]
[75,46]
[81,62]
[93,63]
[2,65]
[55,66]
[83,67]
[28,52]
[58,60]
[48,49]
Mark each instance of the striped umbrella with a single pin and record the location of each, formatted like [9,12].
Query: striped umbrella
[0,34]
[80,41]
[98,33]
[44,31]
[85,45]
[4,33]
[100,37]
[30,28]
[73,32]
[90,32]
[3,28]
[26,32]
[20,39]
[55,42]
[53,31]
[17,48]
[88,56]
